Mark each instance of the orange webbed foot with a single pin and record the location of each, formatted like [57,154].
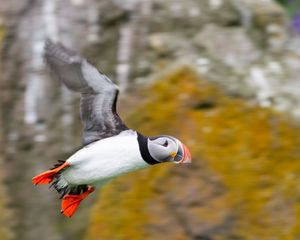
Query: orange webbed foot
[70,202]
[48,176]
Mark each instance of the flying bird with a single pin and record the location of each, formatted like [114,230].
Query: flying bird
[110,148]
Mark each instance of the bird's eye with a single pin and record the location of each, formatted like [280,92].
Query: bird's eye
[166,143]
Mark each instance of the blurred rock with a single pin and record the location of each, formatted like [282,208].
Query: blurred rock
[242,48]
[242,182]
[112,13]
[167,44]
[30,128]
[268,16]
[231,46]
[251,49]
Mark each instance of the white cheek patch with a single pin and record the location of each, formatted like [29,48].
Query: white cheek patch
[157,151]
[161,153]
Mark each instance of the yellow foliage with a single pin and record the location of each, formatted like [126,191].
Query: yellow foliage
[250,154]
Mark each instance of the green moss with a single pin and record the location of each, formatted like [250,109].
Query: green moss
[252,152]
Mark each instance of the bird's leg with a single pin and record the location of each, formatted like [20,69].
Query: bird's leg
[70,202]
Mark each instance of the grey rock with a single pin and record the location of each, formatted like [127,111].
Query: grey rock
[244,46]
[231,46]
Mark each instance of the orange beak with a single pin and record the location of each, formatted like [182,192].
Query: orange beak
[187,157]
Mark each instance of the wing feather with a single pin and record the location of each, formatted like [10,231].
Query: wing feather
[98,93]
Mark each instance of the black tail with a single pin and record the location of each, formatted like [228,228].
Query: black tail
[65,188]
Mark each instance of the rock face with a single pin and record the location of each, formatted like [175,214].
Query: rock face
[238,185]
[230,46]
[31,128]
[249,42]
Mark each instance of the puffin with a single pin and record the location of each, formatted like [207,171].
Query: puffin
[109,148]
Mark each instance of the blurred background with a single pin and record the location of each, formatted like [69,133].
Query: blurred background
[222,75]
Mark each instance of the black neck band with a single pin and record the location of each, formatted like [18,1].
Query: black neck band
[143,145]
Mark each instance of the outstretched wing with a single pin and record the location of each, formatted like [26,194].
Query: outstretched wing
[98,93]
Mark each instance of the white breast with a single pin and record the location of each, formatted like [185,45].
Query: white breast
[105,159]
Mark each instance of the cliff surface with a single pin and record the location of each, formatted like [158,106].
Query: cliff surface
[245,66]
[242,183]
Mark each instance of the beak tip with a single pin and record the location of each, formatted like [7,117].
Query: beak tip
[187,159]
[187,155]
